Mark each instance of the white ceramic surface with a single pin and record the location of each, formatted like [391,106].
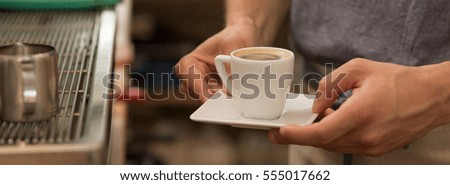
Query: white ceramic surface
[219,109]
[260,86]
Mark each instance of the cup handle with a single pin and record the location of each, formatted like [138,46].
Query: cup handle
[220,67]
[29,91]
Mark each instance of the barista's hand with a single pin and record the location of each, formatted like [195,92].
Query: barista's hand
[391,106]
[197,70]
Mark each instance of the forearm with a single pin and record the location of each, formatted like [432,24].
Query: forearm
[264,16]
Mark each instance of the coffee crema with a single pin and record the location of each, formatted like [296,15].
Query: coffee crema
[260,56]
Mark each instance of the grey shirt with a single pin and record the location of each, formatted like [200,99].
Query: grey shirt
[406,32]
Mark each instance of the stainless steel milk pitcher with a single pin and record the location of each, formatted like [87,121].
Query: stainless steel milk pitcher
[28,82]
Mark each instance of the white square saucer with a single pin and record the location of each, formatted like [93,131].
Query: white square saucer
[219,109]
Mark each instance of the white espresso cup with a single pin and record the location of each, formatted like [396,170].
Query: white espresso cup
[259,81]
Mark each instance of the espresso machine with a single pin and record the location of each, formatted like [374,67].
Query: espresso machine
[76,129]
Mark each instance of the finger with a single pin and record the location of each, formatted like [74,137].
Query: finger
[367,151]
[326,113]
[183,87]
[187,91]
[198,88]
[193,73]
[352,147]
[337,82]
[275,137]
[183,76]
[201,89]
[320,134]
[348,145]
[214,83]
[330,87]
[345,150]
[271,135]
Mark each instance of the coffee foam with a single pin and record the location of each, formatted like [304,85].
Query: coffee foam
[270,51]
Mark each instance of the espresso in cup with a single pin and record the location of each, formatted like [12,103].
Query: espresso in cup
[260,56]
[262,53]
[261,78]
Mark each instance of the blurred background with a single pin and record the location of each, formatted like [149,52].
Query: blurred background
[152,36]
[147,123]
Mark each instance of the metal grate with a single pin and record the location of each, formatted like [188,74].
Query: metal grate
[75,36]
